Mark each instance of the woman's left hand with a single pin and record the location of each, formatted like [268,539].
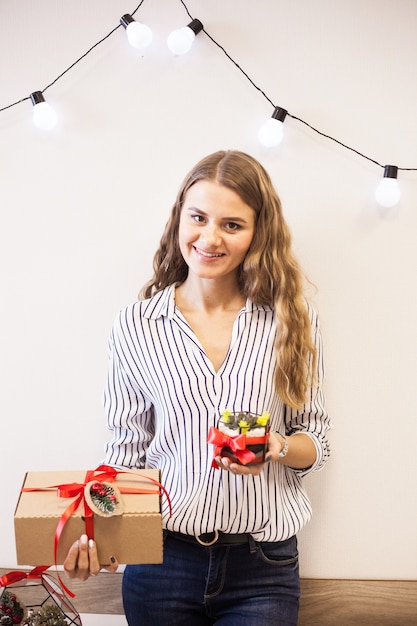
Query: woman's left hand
[274,448]
[82,560]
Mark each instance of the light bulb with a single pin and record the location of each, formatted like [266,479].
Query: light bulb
[138,35]
[180,41]
[44,116]
[388,192]
[271,132]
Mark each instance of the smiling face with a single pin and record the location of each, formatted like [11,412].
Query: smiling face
[215,231]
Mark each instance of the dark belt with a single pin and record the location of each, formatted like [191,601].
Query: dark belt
[211,539]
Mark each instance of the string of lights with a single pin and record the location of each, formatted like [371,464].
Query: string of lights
[180,42]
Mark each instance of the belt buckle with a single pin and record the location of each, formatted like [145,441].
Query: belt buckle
[208,543]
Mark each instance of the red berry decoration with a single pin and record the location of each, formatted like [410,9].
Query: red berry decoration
[11,611]
[103,497]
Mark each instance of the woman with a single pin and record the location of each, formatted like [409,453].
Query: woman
[222,325]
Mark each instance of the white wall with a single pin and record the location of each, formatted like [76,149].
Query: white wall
[82,209]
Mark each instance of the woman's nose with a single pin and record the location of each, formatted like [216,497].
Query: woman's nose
[211,234]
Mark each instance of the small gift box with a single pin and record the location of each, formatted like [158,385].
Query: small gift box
[34,599]
[241,436]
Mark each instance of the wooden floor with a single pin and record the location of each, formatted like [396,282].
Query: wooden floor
[323,602]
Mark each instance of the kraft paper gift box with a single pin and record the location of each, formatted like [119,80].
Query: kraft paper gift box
[132,536]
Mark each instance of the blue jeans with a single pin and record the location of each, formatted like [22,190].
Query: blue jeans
[252,584]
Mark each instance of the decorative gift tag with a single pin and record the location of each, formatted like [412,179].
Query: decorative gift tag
[103,498]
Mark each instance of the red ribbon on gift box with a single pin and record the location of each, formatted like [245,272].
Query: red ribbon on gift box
[103,473]
[237,443]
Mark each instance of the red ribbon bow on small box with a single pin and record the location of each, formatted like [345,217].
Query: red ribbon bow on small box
[237,444]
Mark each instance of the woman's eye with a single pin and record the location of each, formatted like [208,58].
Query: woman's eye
[232,226]
[197,218]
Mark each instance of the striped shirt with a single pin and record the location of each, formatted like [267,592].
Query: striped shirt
[163,395]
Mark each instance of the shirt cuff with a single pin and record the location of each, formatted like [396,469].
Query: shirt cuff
[322,454]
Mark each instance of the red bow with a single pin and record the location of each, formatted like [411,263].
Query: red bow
[14,577]
[237,443]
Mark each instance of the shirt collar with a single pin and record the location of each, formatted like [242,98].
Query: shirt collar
[162,304]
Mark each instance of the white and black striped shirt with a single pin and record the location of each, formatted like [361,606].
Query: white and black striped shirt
[163,395]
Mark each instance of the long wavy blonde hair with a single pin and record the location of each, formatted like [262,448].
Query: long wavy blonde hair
[270,274]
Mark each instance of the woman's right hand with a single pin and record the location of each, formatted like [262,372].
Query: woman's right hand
[82,560]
